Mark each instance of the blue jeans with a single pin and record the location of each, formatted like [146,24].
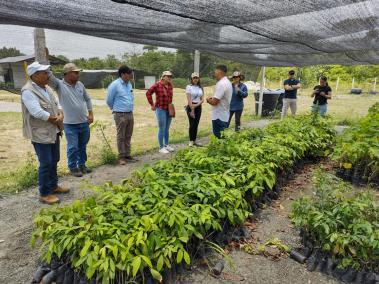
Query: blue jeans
[322,109]
[219,126]
[48,158]
[77,136]
[164,122]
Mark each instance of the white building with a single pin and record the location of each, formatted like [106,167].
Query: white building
[13,70]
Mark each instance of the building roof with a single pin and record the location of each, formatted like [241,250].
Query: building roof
[30,58]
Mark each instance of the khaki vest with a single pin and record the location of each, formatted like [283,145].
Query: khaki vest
[38,130]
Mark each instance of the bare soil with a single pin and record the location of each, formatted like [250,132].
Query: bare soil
[271,222]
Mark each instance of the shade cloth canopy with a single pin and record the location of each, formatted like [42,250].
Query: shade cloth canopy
[263,32]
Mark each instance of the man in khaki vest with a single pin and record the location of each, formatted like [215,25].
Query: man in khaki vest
[42,124]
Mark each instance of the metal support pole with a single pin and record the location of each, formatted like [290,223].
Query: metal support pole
[352,83]
[196,63]
[261,91]
[374,88]
[337,84]
[40,46]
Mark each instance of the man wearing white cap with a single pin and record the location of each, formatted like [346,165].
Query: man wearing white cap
[78,115]
[42,124]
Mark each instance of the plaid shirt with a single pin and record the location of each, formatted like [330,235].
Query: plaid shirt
[161,99]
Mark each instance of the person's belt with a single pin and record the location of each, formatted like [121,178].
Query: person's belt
[122,112]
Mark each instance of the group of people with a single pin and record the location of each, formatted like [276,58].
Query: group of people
[321,94]
[45,117]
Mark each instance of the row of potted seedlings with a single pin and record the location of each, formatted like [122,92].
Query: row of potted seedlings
[152,224]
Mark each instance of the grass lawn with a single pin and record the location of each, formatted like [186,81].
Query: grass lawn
[14,148]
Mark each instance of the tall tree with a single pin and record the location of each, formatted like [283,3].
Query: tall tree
[9,52]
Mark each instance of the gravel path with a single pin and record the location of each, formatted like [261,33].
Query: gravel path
[10,106]
[271,222]
[16,106]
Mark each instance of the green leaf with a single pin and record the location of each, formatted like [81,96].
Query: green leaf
[136,263]
[156,275]
[179,256]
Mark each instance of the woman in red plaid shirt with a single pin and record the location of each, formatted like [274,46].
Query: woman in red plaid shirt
[163,97]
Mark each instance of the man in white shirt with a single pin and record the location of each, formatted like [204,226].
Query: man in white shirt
[220,101]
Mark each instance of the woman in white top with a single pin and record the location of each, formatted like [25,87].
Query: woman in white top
[195,98]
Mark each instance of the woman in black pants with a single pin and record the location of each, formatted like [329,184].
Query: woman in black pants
[236,104]
[195,97]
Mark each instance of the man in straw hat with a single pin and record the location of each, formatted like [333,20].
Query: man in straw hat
[42,124]
[78,115]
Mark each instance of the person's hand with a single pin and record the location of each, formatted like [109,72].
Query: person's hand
[90,118]
[322,94]
[53,119]
[153,107]
[59,118]
[237,88]
[209,100]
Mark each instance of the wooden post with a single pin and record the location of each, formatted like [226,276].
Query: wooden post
[261,91]
[196,63]
[352,83]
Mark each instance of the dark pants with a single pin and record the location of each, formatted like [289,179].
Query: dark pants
[193,122]
[124,124]
[218,127]
[77,136]
[238,114]
[48,158]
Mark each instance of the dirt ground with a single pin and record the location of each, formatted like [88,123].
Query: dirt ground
[271,222]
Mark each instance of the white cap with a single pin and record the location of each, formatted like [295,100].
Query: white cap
[236,74]
[35,67]
[166,73]
[195,75]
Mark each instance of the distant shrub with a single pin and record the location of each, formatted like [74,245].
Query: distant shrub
[107,81]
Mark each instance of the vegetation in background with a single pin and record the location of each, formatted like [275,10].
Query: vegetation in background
[156,218]
[9,52]
[341,221]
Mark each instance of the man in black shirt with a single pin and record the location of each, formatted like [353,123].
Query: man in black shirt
[291,85]
[321,95]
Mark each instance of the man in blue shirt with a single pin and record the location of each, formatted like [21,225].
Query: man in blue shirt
[291,85]
[236,104]
[120,100]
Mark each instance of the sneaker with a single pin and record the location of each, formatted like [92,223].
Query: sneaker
[85,170]
[190,144]
[76,172]
[169,148]
[61,190]
[131,159]
[122,162]
[164,151]
[197,144]
[49,199]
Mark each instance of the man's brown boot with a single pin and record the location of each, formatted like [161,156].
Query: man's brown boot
[61,190]
[49,199]
[122,162]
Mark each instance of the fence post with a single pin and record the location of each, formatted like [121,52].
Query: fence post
[261,91]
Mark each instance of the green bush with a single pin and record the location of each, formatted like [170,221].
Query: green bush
[180,83]
[341,221]
[357,150]
[107,80]
[27,174]
[150,221]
